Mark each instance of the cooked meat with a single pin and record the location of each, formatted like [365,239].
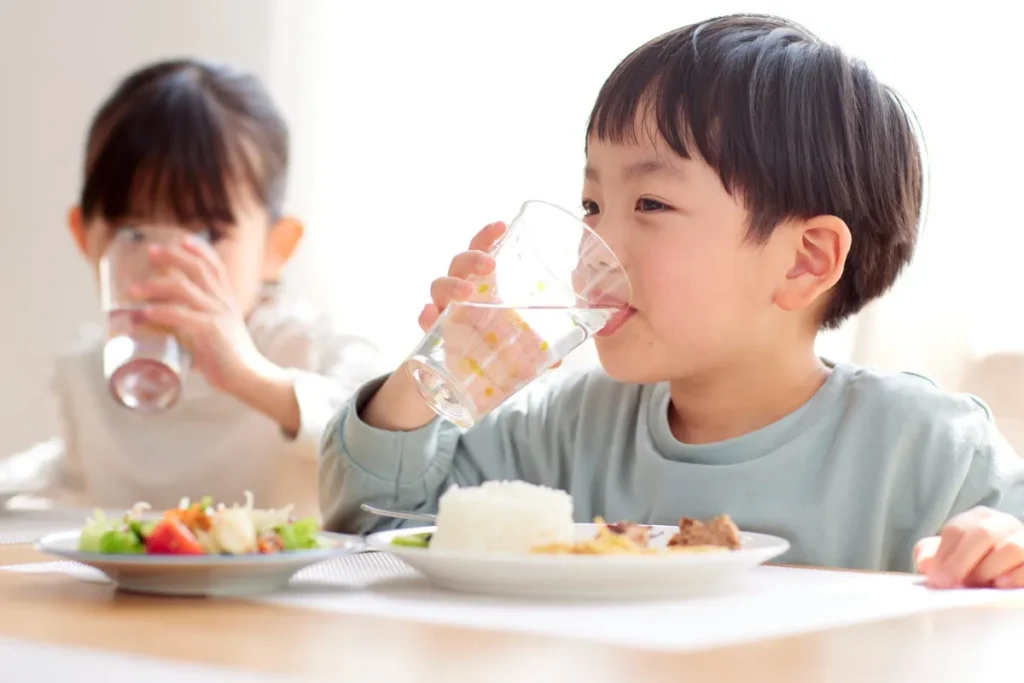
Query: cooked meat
[638,533]
[720,531]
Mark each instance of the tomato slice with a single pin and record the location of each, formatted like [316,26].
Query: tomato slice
[268,545]
[171,537]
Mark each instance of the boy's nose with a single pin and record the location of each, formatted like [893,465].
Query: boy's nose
[600,277]
[611,231]
[596,253]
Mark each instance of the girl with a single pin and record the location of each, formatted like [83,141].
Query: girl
[200,147]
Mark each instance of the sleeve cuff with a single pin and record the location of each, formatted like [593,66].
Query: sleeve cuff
[318,398]
[402,457]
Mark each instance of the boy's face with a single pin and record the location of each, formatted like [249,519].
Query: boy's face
[702,291]
[252,252]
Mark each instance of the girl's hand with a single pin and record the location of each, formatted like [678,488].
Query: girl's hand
[191,296]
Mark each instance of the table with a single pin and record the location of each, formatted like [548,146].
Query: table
[957,645]
[21,554]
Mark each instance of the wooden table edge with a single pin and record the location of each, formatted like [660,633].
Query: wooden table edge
[22,553]
[326,645]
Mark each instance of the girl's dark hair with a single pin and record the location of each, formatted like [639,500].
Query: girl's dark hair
[792,126]
[179,140]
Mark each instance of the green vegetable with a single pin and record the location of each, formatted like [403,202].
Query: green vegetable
[302,534]
[206,502]
[117,542]
[141,529]
[413,540]
[92,532]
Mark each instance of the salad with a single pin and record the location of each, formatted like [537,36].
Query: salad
[413,540]
[200,528]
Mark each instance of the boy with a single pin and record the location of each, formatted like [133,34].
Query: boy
[757,185]
[200,147]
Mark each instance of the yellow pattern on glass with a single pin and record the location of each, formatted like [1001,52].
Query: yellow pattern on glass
[475,367]
[541,286]
[544,346]
[491,339]
[482,288]
[489,391]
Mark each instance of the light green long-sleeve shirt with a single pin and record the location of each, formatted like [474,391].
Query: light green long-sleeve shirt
[872,463]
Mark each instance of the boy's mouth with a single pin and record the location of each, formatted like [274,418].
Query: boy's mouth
[616,321]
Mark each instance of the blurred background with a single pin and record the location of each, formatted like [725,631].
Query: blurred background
[416,123]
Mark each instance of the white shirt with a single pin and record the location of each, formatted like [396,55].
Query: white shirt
[208,443]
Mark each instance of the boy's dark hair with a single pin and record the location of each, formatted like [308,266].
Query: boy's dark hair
[178,139]
[792,126]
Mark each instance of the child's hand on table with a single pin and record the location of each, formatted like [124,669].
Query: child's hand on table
[979,548]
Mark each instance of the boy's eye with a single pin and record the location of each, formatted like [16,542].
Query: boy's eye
[647,205]
[590,207]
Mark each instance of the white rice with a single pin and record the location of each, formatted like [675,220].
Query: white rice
[502,516]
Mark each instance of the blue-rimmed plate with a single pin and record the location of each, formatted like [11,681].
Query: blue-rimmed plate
[200,575]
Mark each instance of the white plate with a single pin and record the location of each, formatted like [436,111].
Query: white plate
[584,577]
[210,575]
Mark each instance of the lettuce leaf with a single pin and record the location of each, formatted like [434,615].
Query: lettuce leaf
[92,532]
[302,534]
[118,542]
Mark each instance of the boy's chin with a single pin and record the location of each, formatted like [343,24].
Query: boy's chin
[627,367]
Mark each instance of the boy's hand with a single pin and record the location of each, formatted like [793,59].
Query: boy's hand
[979,548]
[192,297]
[397,405]
[456,285]
[491,351]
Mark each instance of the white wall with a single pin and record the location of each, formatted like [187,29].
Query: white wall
[58,59]
[413,123]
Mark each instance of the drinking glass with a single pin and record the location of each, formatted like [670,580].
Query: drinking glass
[144,364]
[554,285]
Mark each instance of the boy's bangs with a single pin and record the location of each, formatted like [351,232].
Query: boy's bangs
[634,103]
[693,121]
[174,161]
[735,103]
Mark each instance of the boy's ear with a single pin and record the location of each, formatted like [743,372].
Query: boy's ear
[76,224]
[283,240]
[819,250]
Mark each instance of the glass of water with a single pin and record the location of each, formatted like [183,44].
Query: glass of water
[555,284]
[144,364]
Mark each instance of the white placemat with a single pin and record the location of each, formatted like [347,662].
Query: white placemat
[770,602]
[30,662]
